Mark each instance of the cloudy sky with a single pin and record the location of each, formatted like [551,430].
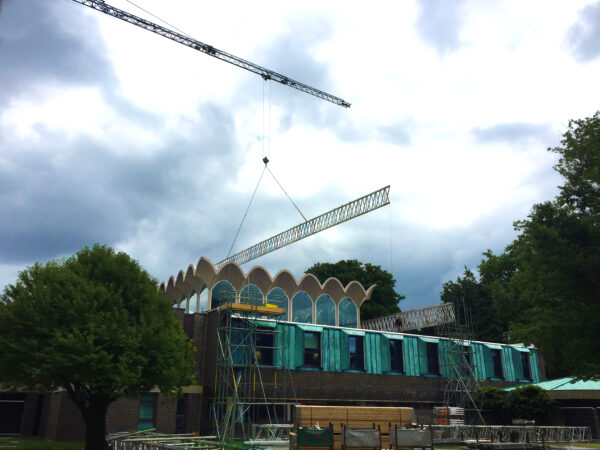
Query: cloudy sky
[111,134]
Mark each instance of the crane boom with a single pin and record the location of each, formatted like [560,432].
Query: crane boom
[329,219]
[102,6]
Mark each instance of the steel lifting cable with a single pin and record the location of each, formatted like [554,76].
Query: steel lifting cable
[248,208]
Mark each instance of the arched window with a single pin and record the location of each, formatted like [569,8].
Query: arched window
[348,313]
[251,295]
[277,297]
[203,299]
[192,302]
[302,308]
[221,293]
[325,310]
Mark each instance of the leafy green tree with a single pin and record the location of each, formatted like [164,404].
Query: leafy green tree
[384,300]
[493,403]
[532,403]
[95,325]
[545,286]
[473,301]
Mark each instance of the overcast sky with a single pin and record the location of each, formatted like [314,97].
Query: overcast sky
[111,134]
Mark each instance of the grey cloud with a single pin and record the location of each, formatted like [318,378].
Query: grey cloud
[439,23]
[583,37]
[515,132]
[57,197]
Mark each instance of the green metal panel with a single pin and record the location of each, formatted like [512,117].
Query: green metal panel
[479,359]
[422,345]
[344,352]
[487,362]
[534,363]
[372,353]
[446,356]
[279,342]
[411,355]
[517,365]
[510,370]
[384,351]
[298,347]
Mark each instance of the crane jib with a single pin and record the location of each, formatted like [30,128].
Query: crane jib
[266,74]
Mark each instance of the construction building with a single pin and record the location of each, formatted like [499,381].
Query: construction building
[265,343]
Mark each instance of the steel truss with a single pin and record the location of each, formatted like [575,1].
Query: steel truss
[327,220]
[244,396]
[266,74]
[414,319]
[511,433]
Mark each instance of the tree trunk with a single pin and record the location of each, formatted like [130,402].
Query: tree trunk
[95,433]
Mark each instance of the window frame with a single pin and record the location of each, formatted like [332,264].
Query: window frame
[433,358]
[496,356]
[262,333]
[394,344]
[319,364]
[358,355]
[525,362]
[144,420]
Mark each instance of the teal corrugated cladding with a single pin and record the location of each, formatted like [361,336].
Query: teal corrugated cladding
[331,350]
[446,357]
[508,364]
[518,365]
[534,363]
[372,353]
[411,355]
[479,358]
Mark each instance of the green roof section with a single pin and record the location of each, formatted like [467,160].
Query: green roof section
[565,384]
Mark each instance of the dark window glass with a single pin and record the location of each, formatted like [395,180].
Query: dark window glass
[497,363]
[264,349]
[396,356]
[433,364]
[312,349]
[357,357]
[467,362]
[526,366]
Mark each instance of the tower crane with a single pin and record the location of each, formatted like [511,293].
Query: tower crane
[266,74]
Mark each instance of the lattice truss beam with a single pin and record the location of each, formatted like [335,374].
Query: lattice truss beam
[414,319]
[266,74]
[327,220]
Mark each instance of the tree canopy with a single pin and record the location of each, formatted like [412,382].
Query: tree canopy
[96,325]
[384,300]
[544,288]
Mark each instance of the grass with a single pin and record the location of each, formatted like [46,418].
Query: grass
[38,444]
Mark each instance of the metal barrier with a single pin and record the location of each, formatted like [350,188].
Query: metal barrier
[508,433]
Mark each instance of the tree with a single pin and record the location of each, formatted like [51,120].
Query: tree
[383,301]
[488,323]
[95,325]
[545,286]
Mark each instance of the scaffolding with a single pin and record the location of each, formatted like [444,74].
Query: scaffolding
[460,384]
[249,359]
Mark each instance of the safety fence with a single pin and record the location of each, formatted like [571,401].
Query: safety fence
[509,433]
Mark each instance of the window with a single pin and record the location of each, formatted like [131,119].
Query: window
[251,295]
[264,349]
[312,349]
[221,293]
[467,361]
[497,363]
[302,308]
[325,310]
[147,412]
[348,313]
[433,364]
[357,357]
[526,366]
[277,297]
[396,356]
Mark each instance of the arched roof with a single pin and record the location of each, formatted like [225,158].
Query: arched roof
[206,274]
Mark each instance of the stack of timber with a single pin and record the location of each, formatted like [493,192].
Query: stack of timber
[308,416]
